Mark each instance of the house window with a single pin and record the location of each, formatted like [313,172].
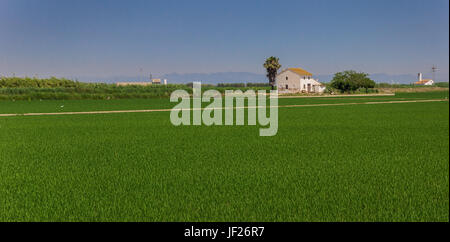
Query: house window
[287,87]
[286,78]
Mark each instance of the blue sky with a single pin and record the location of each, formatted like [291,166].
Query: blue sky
[102,38]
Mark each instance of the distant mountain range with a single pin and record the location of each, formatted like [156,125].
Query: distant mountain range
[218,77]
[207,78]
[240,77]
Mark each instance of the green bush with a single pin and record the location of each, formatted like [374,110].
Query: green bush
[441,84]
[351,81]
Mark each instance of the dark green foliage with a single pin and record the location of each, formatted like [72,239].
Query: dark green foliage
[11,82]
[231,85]
[14,88]
[441,84]
[350,81]
[272,65]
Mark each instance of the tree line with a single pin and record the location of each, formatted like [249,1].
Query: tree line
[18,88]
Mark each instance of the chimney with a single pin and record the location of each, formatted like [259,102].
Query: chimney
[419,76]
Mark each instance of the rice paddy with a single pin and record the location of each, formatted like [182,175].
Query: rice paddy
[384,162]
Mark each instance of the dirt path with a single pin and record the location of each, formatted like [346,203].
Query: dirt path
[340,95]
[168,110]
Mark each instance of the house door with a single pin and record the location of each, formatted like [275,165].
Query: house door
[309,87]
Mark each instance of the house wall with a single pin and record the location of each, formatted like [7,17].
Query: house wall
[296,83]
[293,80]
[315,86]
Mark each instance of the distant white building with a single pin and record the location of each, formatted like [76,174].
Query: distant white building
[152,82]
[425,82]
[293,80]
[133,83]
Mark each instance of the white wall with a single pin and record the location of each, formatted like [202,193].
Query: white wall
[288,78]
[296,83]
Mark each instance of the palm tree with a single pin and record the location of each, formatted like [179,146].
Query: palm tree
[272,67]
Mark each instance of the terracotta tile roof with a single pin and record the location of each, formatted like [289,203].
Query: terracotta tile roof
[422,82]
[300,71]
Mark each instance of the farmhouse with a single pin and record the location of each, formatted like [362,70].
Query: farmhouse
[425,82]
[293,80]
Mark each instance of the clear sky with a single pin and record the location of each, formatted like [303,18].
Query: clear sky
[104,38]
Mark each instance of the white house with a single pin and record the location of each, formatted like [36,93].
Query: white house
[294,80]
[425,82]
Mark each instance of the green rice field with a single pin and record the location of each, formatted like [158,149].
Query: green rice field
[382,162]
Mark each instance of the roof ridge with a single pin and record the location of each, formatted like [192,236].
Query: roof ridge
[300,71]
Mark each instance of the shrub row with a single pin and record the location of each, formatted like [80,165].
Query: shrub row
[14,88]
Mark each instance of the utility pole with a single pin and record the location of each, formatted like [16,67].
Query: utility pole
[434,69]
